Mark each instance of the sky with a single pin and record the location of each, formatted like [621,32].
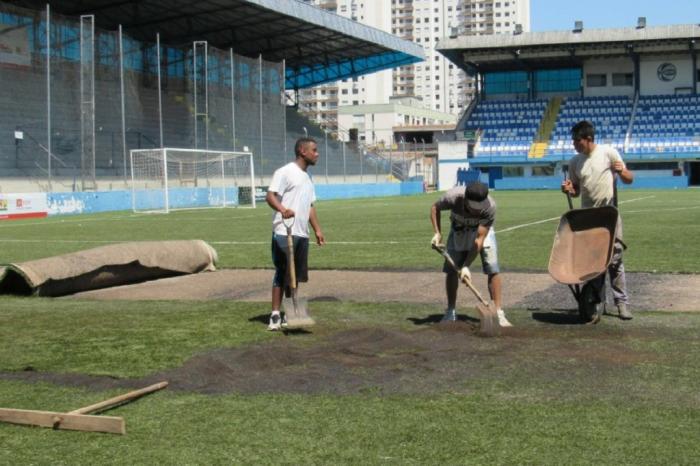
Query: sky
[559,15]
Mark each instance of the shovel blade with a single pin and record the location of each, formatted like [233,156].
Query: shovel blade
[488,320]
[296,312]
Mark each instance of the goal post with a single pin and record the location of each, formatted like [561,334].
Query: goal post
[166,179]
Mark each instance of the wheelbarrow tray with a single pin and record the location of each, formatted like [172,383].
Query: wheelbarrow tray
[583,244]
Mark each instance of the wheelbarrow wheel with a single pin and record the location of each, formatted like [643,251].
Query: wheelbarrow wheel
[589,307]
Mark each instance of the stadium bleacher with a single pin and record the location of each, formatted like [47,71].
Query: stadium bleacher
[650,127]
[610,116]
[666,124]
[507,127]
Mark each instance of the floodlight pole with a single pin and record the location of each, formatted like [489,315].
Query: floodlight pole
[403,156]
[325,153]
[48,94]
[260,88]
[160,97]
[233,102]
[123,105]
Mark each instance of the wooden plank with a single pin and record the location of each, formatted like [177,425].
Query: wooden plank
[121,399]
[82,422]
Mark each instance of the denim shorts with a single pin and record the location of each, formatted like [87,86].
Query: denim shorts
[279,259]
[488,253]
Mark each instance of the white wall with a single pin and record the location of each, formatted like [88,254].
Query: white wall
[651,84]
[608,67]
[455,151]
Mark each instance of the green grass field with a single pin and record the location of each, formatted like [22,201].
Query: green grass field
[660,227]
[617,393]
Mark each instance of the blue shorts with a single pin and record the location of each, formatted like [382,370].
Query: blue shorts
[279,259]
[488,253]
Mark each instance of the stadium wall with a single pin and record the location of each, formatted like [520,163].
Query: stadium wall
[107,201]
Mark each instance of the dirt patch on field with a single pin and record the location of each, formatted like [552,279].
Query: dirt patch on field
[439,358]
[520,290]
[433,358]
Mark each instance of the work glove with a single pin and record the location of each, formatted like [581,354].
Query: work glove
[437,239]
[464,274]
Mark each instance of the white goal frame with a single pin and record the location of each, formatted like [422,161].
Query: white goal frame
[169,178]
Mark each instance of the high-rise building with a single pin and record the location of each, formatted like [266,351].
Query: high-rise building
[436,82]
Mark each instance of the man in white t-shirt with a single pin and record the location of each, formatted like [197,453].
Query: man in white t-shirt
[291,195]
[592,175]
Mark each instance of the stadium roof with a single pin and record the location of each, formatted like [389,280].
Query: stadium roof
[318,46]
[558,49]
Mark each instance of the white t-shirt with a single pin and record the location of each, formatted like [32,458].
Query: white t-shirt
[295,191]
[593,174]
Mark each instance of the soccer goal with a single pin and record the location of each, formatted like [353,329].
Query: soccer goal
[168,179]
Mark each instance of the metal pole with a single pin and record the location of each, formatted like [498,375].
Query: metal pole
[48,94]
[233,102]
[327,160]
[194,91]
[362,156]
[344,172]
[223,179]
[403,157]
[121,81]
[325,153]
[260,84]
[283,80]
[160,99]
[165,180]
[252,180]
[376,168]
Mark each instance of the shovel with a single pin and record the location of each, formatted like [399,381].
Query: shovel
[295,309]
[488,317]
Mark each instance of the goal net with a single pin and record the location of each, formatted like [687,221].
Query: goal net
[169,179]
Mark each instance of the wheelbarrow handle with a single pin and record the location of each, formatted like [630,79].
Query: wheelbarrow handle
[568,195]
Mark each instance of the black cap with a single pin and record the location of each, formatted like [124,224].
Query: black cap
[475,196]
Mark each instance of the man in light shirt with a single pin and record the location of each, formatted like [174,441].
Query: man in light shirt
[291,194]
[592,176]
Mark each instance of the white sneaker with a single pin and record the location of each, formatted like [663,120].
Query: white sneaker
[502,321]
[450,316]
[275,321]
[284,321]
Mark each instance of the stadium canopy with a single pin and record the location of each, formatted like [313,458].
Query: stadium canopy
[318,46]
[565,49]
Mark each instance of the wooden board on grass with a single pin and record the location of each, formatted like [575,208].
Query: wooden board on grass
[66,421]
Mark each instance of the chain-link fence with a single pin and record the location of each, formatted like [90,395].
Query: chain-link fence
[77,99]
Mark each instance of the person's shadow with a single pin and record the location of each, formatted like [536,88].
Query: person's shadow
[437,318]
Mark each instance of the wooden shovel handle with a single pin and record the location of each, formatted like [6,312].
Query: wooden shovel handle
[103,405]
[290,260]
[442,250]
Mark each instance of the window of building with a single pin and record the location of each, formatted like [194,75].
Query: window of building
[562,80]
[596,80]
[513,82]
[622,79]
[513,172]
[546,170]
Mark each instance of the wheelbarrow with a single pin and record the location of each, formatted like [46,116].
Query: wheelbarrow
[582,250]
